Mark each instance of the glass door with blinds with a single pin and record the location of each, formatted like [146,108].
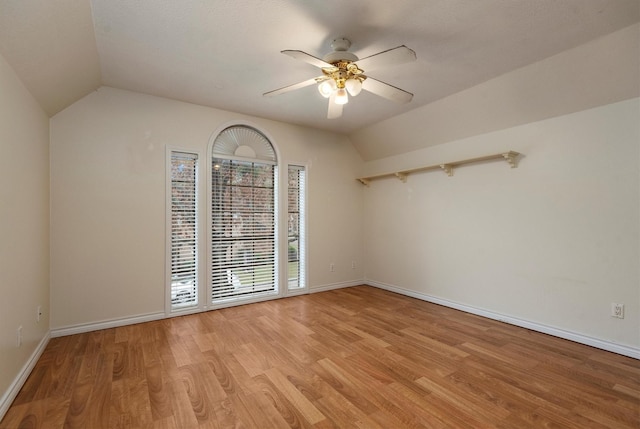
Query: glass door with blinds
[244,193]
[243,230]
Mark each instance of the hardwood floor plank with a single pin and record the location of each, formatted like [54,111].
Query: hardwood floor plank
[138,402]
[359,357]
[415,407]
[158,392]
[340,379]
[101,390]
[254,358]
[183,412]
[343,413]
[279,402]
[14,416]
[479,408]
[294,396]
[632,394]
[202,389]
[119,405]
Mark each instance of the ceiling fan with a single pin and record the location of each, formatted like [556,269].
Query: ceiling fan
[343,75]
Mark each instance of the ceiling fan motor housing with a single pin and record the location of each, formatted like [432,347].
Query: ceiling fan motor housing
[340,52]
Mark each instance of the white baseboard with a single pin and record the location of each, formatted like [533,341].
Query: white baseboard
[332,286]
[632,352]
[114,323]
[18,382]
[105,324]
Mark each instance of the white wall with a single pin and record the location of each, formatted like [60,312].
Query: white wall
[108,200]
[553,242]
[24,228]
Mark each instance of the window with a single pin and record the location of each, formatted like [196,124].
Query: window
[184,238]
[247,256]
[296,227]
[243,215]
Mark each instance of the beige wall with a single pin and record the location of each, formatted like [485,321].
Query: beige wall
[24,225]
[548,245]
[553,242]
[108,200]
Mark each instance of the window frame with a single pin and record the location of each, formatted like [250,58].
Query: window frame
[279,181]
[248,297]
[303,225]
[204,224]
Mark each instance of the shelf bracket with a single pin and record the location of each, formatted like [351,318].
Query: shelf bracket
[402,177]
[448,168]
[510,157]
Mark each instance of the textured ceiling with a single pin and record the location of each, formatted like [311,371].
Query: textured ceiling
[226,53]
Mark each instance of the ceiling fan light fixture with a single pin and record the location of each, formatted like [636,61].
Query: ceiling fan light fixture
[341,96]
[354,86]
[326,87]
[343,75]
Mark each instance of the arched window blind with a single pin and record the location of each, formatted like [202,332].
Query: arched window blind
[243,215]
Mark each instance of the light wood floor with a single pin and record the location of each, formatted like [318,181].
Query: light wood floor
[350,358]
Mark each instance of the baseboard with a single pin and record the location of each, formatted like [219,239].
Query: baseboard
[105,324]
[114,323]
[332,286]
[18,382]
[632,352]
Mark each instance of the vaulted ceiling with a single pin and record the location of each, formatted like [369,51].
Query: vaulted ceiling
[226,53]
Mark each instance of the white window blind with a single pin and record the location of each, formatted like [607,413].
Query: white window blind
[296,227]
[243,238]
[184,239]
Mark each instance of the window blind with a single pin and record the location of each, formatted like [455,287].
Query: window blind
[184,246]
[243,239]
[295,227]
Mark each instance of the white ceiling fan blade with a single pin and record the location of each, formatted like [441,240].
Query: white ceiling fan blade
[310,59]
[387,91]
[335,110]
[292,87]
[391,57]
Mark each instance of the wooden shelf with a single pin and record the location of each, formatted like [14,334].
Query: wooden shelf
[510,157]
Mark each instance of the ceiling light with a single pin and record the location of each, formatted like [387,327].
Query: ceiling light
[341,96]
[327,87]
[354,86]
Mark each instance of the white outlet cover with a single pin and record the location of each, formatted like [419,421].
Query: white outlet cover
[617,310]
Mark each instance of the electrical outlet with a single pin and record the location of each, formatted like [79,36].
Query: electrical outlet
[353,265]
[617,310]
[38,313]
[332,267]
[19,336]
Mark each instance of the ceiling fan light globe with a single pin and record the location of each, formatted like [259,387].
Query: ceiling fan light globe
[326,88]
[354,86]
[341,96]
